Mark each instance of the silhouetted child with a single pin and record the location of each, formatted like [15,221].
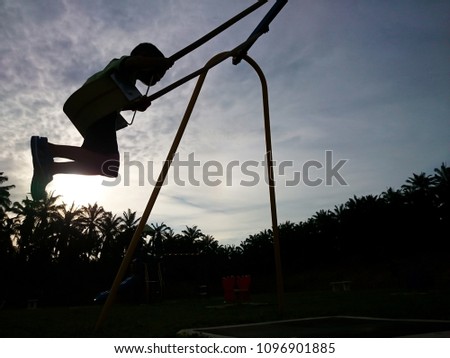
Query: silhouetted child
[99,154]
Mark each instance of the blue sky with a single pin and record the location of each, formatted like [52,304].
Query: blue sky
[366,80]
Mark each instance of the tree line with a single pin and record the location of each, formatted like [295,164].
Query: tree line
[66,254]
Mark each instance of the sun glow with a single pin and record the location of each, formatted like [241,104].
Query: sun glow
[78,189]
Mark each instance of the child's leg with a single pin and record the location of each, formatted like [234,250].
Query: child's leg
[99,155]
[84,161]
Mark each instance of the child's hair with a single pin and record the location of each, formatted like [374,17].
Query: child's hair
[146,49]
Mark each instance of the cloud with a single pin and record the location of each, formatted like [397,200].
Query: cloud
[368,80]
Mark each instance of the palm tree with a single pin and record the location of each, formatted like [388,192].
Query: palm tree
[419,190]
[340,213]
[110,225]
[420,196]
[110,228]
[288,228]
[129,220]
[189,236]
[91,219]
[48,211]
[172,242]
[156,249]
[395,221]
[325,233]
[339,210]
[418,182]
[192,233]
[324,220]
[442,190]
[127,226]
[47,215]
[5,202]
[68,227]
[361,225]
[24,226]
[442,175]
[230,252]
[157,233]
[6,223]
[257,252]
[35,227]
[393,197]
[207,244]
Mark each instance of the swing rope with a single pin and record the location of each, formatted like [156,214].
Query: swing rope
[146,94]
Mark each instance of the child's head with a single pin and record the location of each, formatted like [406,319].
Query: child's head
[146,49]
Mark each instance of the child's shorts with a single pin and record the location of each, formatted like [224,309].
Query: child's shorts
[101,137]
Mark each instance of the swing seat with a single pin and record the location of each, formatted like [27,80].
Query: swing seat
[97,99]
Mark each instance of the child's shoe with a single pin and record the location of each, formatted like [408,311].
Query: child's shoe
[41,167]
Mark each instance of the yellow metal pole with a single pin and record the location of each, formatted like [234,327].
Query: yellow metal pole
[151,202]
[271,182]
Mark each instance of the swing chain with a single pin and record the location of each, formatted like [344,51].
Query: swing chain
[146,94]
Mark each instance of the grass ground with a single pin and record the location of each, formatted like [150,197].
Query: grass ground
[166,318]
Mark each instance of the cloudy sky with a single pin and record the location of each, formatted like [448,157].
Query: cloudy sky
[359,100]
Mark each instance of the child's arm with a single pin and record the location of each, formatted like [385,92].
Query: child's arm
[141,104]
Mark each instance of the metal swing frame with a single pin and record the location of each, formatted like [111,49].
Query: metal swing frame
[237,54]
